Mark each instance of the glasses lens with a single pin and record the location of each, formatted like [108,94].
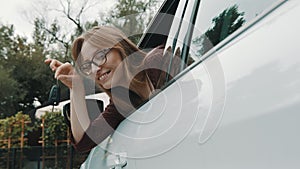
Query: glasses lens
[86,68]
[100,57]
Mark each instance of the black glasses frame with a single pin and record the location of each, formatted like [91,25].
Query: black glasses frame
[98,59]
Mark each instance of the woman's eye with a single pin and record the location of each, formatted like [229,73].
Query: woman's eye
[99,56]
[85,65]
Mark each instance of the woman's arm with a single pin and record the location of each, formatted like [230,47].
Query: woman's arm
[79,116]
[86,134]
[79,119]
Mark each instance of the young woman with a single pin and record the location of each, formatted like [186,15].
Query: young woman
[119,68]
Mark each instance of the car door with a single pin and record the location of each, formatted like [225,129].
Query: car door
[222,109]
[236,123]
[248,93]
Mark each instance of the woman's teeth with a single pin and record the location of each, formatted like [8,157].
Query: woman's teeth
[103,76]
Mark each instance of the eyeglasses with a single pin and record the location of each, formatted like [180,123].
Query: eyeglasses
[98,59]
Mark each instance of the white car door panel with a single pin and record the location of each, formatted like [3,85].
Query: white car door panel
[239,108]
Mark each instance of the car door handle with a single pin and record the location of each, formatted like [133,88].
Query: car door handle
[116,161]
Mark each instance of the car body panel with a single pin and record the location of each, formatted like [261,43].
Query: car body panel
[237,108]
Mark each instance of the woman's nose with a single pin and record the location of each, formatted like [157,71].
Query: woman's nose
[95,68]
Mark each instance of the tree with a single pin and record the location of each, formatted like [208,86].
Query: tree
[24,76]
[224,24]
[131,16]
[11,91]
[8,90]
[55,128]
[14,129]
[72,13]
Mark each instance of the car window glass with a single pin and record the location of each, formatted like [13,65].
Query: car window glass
[218,19]
[212,22]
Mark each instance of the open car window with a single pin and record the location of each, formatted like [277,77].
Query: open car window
[199,26]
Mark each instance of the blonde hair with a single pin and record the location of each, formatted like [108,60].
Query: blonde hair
[110,37]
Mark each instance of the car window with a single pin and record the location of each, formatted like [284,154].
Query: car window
[216,20]
[198,26]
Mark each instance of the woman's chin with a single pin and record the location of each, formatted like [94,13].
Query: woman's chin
[106,85]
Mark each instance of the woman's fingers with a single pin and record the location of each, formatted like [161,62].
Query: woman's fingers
[69,79]
[53,63]
[66,69]
[63,71]
[66,80]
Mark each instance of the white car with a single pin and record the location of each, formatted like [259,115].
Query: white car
[236,100]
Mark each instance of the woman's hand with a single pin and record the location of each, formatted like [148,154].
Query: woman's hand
[63,71]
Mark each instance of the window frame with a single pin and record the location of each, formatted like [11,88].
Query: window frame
[180,33]
[153,36]
[227,42]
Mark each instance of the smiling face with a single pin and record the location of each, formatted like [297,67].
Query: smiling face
[104,73]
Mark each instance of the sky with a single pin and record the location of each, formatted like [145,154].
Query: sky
[19,13]
[11,13]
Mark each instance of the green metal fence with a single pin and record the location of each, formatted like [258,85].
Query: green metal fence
[60,157]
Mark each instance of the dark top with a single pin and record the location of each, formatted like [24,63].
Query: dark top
[105,124]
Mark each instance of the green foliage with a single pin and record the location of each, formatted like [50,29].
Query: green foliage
[55,128]
[6,96]
[11,127]
[24,76]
